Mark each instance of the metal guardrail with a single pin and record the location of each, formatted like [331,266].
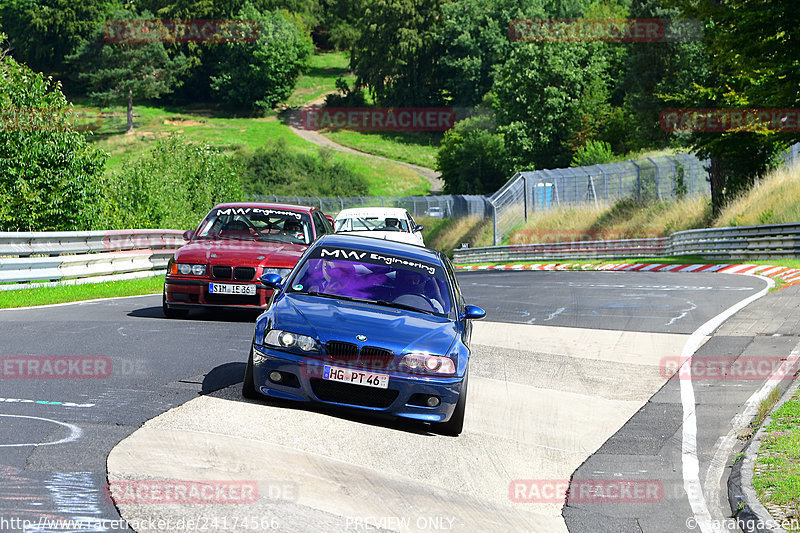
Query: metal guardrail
[746,242]
[447,205]
[56,256]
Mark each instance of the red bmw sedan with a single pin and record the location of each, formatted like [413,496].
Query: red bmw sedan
[234,245]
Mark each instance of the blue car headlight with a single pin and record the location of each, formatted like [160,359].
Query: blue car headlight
[286,339]
[424,362]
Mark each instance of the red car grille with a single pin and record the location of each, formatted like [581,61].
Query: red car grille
[228,272]
[221,272]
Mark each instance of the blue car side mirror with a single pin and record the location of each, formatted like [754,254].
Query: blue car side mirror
[418,228]
[271,280]
[473,312]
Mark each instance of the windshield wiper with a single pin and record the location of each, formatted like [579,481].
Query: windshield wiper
[387,303]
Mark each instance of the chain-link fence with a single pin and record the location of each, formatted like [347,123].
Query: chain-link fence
[648,179]
[444,206]
[653,178]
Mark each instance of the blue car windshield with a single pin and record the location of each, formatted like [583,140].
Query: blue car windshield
[418,287]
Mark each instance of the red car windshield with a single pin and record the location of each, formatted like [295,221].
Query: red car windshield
[253,223]
[419,287]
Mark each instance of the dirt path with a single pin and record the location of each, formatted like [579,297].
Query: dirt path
[320,140]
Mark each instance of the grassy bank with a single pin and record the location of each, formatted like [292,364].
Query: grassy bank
[777,472]
[775,200]
[74,293]
[230,133]
[415,148]
[447,234]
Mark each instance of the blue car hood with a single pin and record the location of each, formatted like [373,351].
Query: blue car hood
[396,329]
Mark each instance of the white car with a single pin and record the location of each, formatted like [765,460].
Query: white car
[390,223]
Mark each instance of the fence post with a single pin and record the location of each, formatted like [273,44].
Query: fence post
[619,176]
[638,179]
[525,196]
[655,167]
[674,176]
[494,223]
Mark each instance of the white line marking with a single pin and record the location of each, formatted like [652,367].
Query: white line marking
[76,303]
[555,313]
[74,432]
[691,462]
[725,444]
[683,313]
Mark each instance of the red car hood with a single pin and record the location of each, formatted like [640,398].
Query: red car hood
[240,253]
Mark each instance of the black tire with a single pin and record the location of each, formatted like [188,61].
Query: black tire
[170,312]
[248,387]
[454,426]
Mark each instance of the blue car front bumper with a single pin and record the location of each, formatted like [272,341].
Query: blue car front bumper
[301,380]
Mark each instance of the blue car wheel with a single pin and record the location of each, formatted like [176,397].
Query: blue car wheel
[454,426]
[248,388]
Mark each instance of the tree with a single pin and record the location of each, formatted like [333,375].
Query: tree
[43,32]
[545,94]
[120,67]
[753,48]
[259,75]
[472,157]
[655,71]
[396,52]
[474,41]
[50,177]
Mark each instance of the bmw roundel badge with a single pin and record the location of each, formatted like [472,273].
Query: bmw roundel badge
[361,338]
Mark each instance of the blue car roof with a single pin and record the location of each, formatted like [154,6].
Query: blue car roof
[370,244]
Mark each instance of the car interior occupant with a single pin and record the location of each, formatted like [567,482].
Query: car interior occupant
[392,224]
[293,227]
[411,283]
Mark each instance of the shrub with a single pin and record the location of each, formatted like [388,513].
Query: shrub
[274,169]
[472,158]
[172,186]
[50,177]
[259,75]
[592,153]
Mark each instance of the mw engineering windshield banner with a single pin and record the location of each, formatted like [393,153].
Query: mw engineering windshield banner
[256,211]
[375,258]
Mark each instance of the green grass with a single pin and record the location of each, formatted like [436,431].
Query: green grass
[777,473]
[229,132]
[234,133]
[74,293]
[321,78]
[415,148]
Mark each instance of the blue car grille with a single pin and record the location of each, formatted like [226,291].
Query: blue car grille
[368,357]
[332,391]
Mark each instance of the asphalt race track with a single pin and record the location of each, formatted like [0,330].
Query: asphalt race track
[566,364]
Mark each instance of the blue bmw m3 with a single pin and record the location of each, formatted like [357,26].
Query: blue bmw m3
[369,324]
